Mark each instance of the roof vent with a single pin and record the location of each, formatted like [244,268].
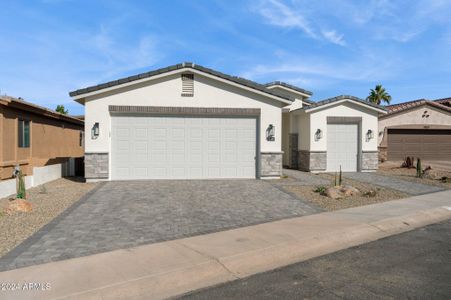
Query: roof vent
[187,85]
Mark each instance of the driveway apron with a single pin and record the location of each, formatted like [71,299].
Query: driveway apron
[125,214]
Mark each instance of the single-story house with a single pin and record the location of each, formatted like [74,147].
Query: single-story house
[419,128]
[43,143]
[190,122]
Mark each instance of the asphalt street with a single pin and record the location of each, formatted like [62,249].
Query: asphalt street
[412,265]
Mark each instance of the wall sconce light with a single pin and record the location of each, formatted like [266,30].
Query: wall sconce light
[369,135]
[95,131]
[318,134]
[270,133]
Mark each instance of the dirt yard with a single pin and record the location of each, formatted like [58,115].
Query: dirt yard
[394,169]
[329,204]
[48,201]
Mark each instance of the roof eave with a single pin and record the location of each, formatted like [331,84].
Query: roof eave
[314,108]
[80,95]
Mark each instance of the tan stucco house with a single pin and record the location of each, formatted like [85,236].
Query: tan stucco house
[190,122]
[419,128]
[43,143]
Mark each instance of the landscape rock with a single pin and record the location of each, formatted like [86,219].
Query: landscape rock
[19,205]
[348,190]
[334,193]
[431,174]
[370,193]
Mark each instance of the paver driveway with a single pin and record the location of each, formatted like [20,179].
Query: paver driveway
[126,214]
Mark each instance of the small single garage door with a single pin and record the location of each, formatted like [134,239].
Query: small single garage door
[342,147]
[173,147]
[428,144]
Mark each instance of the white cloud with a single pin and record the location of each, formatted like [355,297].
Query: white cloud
[318,72]
[282,15]
[279,14]
[334,37]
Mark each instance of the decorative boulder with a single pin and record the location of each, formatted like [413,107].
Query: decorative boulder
[430,174]
[19,205]
[370,193]
[348,190]
[334,193]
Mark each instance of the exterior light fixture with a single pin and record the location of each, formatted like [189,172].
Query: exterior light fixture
[369,134]
[95,131]
[270,133]
[318,134]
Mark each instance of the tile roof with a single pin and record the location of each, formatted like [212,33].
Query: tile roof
[342,97]
[31,107]
[290,86]
[189,65]
[395,108]
[444,101]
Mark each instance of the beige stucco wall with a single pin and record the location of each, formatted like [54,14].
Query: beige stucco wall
[166,91]
[310,122]
[414,116]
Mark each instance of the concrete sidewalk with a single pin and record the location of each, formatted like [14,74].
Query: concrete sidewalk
[172,268]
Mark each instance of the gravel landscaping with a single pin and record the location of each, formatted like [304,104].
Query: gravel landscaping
[48,201]
[307,192]
[390,169]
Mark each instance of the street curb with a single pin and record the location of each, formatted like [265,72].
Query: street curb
[225,269]
[174,268]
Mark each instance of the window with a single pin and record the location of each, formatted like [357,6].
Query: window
[187,85]
[24,133]
[81,139]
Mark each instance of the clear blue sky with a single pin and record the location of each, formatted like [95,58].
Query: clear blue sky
[50,47]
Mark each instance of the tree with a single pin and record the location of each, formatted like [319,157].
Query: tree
[378,95]
[61,109]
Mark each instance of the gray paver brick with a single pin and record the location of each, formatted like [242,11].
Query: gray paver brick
[127,214]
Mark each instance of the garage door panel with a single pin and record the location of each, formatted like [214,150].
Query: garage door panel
[183,147]
[428,144]
[342,147]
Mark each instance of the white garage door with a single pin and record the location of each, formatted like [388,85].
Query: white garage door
[162,147]
[342,147]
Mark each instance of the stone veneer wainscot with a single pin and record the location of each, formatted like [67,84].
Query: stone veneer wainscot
[312,160]
[96,165]
[271,164]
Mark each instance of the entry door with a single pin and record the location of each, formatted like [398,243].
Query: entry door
[165,147]
[342,147]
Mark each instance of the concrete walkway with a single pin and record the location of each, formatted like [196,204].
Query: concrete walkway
[172,268]
[408,187]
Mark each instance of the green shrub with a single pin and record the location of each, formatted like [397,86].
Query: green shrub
[320,189]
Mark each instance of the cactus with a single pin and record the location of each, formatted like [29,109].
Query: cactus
[21,191]
[340,178]
[335,181]
[419,169]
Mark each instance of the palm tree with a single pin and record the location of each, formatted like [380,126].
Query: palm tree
[378,95]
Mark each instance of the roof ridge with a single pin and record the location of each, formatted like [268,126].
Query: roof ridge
[343,97]
[239,80]
[288,85]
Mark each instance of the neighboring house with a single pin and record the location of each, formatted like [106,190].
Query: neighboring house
[40,141]
[190,122]
[419,128]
